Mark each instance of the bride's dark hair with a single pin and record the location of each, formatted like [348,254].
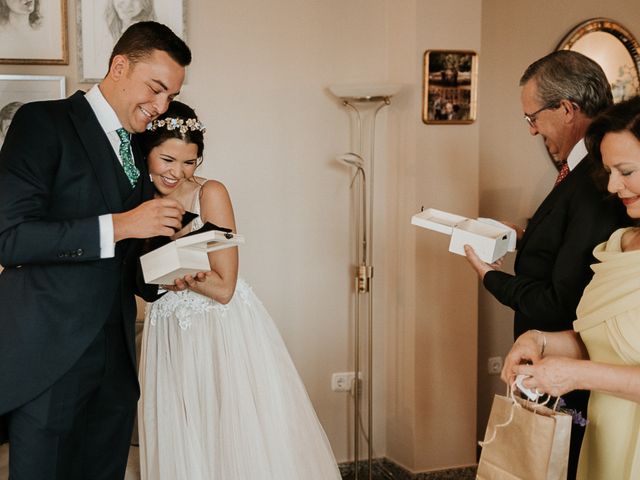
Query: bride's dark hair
[179,121]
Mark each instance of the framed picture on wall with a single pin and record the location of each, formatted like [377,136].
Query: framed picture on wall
[33,32]
[16,90]
[450,85]
[101,22]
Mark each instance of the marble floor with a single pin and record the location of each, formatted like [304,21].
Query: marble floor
[383,470]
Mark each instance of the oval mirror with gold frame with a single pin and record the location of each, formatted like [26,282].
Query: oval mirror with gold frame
[614,48]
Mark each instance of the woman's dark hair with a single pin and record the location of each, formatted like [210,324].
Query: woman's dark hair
[621,117]
[168,125]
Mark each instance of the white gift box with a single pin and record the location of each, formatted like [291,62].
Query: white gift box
[489,238]
[185,256]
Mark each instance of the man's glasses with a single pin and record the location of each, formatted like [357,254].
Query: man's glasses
[531,117]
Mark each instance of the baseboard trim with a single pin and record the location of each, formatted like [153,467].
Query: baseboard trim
[385,469]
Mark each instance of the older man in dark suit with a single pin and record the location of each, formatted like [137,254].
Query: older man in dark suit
[74,197]
[561,94]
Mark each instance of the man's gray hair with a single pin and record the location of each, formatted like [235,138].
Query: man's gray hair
[567,75]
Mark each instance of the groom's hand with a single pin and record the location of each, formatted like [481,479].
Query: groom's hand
[157,217]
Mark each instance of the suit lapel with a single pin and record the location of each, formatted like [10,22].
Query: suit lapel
[545,207]
[141,163]
[98,149]
[549,202]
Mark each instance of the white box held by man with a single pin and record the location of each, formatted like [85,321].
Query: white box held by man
[490,239]
[185,256]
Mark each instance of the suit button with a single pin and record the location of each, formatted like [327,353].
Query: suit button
[60,255]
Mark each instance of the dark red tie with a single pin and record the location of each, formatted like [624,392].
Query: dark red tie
[562,174]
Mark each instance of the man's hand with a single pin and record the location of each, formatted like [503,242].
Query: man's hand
[157,217]
[478,265]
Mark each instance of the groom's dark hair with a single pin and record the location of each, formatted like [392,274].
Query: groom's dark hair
[141,39]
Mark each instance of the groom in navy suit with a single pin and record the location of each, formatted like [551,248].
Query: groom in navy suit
[75,197]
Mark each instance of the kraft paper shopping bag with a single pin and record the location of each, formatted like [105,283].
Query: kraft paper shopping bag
[524,441]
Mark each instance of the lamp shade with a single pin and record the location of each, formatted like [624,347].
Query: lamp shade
[365,91]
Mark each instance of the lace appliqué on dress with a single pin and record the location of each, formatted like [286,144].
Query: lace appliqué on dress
[245,292]
[187,306]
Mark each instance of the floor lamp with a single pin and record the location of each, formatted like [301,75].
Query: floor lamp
[363,103]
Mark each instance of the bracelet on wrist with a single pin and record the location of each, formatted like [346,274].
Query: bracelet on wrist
[544,342]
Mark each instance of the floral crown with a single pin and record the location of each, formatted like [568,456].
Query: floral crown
[177,124]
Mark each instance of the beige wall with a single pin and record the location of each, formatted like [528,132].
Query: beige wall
[259,82]
[515,172]
[432,332]
[274,132]
[259,78]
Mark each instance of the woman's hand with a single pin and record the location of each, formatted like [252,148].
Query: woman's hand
[188,281]
[528,348]
[553,376]
[191,281]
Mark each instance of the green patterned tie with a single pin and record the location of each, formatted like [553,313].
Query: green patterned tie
[129,165]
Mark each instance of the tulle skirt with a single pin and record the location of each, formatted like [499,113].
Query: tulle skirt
[221,398]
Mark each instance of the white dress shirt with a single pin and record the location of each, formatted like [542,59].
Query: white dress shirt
[577,153]
[109,122]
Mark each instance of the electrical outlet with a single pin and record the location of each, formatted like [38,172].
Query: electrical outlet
[342,382]
[494,365]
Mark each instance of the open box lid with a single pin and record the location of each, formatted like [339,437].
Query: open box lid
[437,220]
[185,256]
[210,241]
[511,233]
[445,222]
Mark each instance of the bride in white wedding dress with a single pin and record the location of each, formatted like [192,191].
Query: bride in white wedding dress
[221,398]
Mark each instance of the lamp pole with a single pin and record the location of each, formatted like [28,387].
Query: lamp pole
[364,101]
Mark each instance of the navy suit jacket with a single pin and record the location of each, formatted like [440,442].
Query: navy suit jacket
[553,263]
[58,173]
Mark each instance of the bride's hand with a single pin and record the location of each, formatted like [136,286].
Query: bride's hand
[188,281]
